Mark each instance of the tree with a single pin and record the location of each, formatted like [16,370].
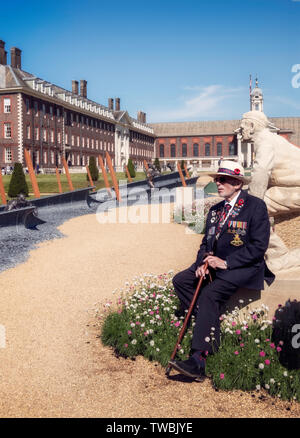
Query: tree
[93,169]
[17,182]
[131,168]
[182,164]
[157,164]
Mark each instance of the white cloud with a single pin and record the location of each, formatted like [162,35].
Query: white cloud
[212,101]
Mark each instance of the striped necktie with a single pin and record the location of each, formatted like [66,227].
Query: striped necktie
[223,217]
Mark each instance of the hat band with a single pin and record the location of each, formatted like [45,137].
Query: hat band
[235,172]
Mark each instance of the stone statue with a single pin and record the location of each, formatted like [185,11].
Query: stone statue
[276,179]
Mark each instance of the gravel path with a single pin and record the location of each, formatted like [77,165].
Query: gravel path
[54,364]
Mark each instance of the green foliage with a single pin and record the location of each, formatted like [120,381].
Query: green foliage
[182,164]
[18,182]
[157,164]
[143,323]
[131,168]
[93,169]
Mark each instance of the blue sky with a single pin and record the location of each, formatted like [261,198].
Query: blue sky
[175,60]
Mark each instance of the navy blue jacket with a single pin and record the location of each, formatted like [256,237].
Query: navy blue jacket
[243,241]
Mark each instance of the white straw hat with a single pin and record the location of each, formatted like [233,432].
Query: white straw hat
[233,169]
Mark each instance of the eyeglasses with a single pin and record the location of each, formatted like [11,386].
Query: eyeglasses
[221,179]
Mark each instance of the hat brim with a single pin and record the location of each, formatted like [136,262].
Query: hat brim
[244,179]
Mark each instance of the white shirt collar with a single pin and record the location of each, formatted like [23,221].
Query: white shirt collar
[233,201]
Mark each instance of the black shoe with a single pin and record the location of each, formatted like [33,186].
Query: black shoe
[189,368]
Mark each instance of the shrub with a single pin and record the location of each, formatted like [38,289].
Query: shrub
[143,323]
[131,169]
[93,169]
[17,182]
[156,164]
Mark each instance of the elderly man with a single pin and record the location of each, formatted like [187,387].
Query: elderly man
[236,238]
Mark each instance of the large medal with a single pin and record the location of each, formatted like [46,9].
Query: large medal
[237,241]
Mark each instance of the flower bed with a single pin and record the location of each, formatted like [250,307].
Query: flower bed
[142,322]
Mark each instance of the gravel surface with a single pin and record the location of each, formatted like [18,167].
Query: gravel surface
[54,364]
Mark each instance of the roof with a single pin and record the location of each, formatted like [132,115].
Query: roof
[11,78]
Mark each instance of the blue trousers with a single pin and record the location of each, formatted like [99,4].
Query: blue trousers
[209,307]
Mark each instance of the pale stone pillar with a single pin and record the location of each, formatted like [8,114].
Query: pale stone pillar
[249,154]
[239,149]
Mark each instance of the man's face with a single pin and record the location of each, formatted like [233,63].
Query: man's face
[227,186]
[247,129]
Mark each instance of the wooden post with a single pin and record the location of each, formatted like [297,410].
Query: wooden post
[2,191]
[128,174]
[181,174]
[186,171]
[58,180]
[100,160]
[146,165]
[67,173]
[33,180]
[90,177]
[113,176]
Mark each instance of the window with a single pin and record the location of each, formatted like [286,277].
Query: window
[8,155]
[7,130]
[28,132]
[161,150]
[36,109]
[232,149]
[173,150]
[219,149]
[195,149]
[92,141]
[44,109]
[256,107]
[207,149]
[52,135]
[58,112]
[44,134]
[73,140]
[87,142]
[7,107]
[184,149]
[45,157]
[27,106]
[36,133]
[51,111]
[97,144]
[78,141]
[58,137]
[66,139]
[52,157]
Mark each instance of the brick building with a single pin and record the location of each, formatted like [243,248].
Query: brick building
[50,122]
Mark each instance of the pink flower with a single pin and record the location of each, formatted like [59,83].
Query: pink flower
[151,313]
[125,345]
[267,362]
[254,316]
[238,332]
[222,376]
[278,349]
[138,323]
[262,353]
[267,340]
[242,345]
[177,324]
[236,353]
[233,323]
[129,332]
[281,342]
[272,345]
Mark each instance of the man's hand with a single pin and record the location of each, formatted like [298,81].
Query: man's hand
[215,262]
[201,272]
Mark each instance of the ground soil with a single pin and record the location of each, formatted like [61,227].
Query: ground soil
[54,364]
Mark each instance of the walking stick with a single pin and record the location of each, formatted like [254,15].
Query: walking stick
[182,331]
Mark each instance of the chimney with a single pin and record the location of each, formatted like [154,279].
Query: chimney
[75,87]
[83,88]
[139,116]
[3,53]
[15,57]
[110,104]
[117,104]
[144,117]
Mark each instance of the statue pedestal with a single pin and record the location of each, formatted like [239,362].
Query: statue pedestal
[285,286]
